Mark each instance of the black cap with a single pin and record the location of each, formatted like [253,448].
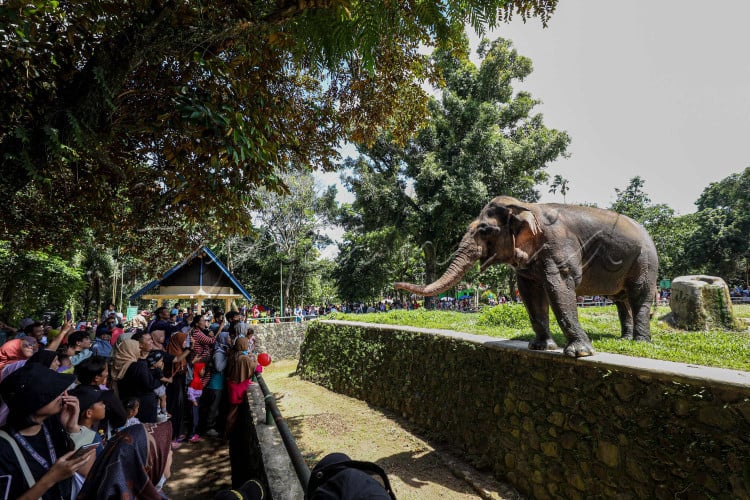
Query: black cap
[154,357]
[87,395]
[33,386]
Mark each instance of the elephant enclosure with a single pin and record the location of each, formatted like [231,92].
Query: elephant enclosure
[323,421]
[549,425]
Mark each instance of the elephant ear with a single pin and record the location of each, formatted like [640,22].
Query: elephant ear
[520,218]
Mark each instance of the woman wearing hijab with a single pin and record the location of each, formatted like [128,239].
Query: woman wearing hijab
[135,464]
[36,460]
[177,369]
[14,351]
[240,369]
[133,379]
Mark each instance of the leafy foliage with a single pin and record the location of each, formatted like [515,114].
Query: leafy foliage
[481,140]
[505,315]
[283,255]
[34,281]
[119,114]
[559,182]
[720,244]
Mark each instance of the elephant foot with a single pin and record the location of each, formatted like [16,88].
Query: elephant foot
[579,349]
[642,338]
[542,345]
[626,336]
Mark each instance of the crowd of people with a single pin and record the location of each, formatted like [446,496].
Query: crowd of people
[95,410]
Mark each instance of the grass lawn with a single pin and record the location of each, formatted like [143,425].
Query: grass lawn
[709,348]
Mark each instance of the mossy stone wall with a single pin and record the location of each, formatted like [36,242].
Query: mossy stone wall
[550,425]
[280,340]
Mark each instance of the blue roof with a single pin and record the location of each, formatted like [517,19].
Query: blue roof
[212,256]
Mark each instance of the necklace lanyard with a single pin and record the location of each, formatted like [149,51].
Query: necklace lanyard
[31,451]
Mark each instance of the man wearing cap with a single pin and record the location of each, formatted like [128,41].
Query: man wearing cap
[161,327]
[36,459]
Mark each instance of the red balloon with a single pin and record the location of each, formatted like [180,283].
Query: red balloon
[264,359]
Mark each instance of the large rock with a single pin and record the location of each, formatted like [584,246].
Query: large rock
[701,302]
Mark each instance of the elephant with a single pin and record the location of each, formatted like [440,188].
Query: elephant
[558,252]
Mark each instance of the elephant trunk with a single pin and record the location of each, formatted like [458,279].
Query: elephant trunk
[467,254]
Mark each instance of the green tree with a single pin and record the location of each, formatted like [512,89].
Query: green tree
[36,281]
[720,245]
[369,262]
[116,113]
[559,182]
[290,233]
[481,140]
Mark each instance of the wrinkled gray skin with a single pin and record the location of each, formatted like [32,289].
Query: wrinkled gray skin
[559,252]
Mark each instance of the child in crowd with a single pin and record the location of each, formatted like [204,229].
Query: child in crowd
[132,406]
[92,410]
[65,365]
[195,390]
[155,362]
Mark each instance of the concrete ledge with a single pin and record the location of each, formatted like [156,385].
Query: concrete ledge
[658,369]
[282,480]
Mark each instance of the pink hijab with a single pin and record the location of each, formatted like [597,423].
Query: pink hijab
[10,352]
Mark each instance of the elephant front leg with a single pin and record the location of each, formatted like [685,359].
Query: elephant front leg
[562,297]
[537,305]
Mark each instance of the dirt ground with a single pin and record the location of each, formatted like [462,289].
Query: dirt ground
[323,422]
[199,470]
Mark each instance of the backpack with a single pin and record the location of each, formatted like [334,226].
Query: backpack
[336,477]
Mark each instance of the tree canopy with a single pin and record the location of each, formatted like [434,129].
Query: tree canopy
[290,231]
[482,139]
[720,244]
[117,114]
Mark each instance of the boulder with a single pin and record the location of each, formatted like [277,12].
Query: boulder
[701,302]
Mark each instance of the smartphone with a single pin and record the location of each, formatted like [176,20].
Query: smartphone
[68,315]
[83,450]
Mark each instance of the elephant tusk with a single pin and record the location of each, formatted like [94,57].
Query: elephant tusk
[484,265]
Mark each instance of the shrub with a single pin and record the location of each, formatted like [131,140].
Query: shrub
[506,315]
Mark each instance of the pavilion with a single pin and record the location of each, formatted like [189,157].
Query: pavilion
[199,277]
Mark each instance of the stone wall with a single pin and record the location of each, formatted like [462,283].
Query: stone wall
[280,340]
[553,426]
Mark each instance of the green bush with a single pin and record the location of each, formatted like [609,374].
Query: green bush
[505,315]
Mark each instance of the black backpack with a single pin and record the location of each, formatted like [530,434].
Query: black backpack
[338,477]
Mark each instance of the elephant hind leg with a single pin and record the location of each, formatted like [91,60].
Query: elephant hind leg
[640,303]
[625,314]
